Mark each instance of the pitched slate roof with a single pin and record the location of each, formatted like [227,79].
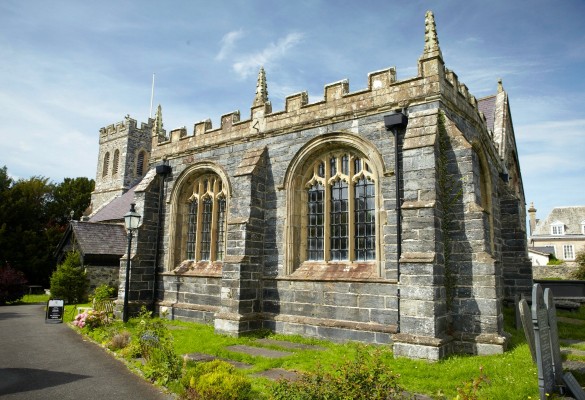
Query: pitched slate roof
[115,209]
[571,217]
[544,250]
[487,106]
[98,238]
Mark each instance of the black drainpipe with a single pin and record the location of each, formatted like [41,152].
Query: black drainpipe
[162,171]
[394,122]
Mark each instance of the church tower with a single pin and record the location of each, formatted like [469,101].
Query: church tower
[124,153]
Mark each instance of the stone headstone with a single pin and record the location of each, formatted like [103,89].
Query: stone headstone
[544,357]
[517,317]
[526,319]
[554,337]
[573,386]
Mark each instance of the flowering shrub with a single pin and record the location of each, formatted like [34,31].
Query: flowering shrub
[79,320]
[92,319]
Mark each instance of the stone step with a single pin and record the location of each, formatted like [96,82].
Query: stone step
[289,345]
[202,357]
[258,351]
[275,374]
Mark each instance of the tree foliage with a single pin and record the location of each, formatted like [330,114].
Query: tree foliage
[580,260]
[34,215]
[12,285]
[69,282]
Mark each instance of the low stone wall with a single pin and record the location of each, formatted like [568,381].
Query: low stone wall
[562,271]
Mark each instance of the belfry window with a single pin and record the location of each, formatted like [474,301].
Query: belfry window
[116,162]
[141,163]
[106,164]
[206,220]
[340,209]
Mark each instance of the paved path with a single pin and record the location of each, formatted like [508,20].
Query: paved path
[51,361]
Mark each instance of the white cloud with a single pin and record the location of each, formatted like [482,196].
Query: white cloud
[227,43]
[249,64]
[554,133]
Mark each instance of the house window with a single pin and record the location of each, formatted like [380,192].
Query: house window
[106,164]
[116,161]
[557,229]
[340,223]
[206,220]
[568,252]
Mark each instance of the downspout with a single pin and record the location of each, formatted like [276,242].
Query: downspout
[394,122]
[162,171]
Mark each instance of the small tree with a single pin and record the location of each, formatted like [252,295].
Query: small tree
[69,281]
[12,284]
[580,260]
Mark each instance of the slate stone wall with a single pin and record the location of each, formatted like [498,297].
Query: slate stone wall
[407,301]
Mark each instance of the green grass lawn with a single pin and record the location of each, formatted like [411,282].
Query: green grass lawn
[34,298]
[511,375]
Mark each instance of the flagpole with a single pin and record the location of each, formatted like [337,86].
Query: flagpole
[151,97]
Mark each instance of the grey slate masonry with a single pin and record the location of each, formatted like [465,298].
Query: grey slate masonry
[441,290]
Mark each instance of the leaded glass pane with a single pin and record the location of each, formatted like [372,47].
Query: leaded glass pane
[192,230]
[333,163]
[357,163]
[365,228]
[220,229]
[345,164]
[316,195]
[321,170]
[206,229]
[339,221]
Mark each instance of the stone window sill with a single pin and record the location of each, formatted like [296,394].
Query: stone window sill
[335,271]
[198,268]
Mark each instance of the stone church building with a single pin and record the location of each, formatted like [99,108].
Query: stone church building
[392,214]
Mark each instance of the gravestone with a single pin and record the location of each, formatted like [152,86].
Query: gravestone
[573,386]
[540,328]
[517,316]
[554,337]
[526,318]
[544,358]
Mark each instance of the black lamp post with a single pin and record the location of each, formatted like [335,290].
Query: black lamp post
[131,220]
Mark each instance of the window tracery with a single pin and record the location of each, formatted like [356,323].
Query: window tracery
[340,209]
[206,220]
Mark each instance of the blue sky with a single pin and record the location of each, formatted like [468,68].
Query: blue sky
[68,68]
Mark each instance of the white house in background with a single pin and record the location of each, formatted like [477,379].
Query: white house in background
[540,256]
[561,233]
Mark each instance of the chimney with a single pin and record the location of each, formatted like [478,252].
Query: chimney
[532,214]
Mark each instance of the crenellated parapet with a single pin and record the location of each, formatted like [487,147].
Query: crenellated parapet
[118,129]
[383,92]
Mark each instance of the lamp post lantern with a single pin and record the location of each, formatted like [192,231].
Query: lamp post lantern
[131,220]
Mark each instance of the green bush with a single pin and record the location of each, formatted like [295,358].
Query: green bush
[216,380]
[154,342]
[365,377]
[580,272]
[104,292]
[552,260]
[69,282]
[12,285]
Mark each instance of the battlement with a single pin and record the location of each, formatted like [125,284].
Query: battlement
[123,128]
[383,93]
[338,103]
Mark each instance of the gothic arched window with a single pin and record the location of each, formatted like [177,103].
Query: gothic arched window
[340,213]
[206,220]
